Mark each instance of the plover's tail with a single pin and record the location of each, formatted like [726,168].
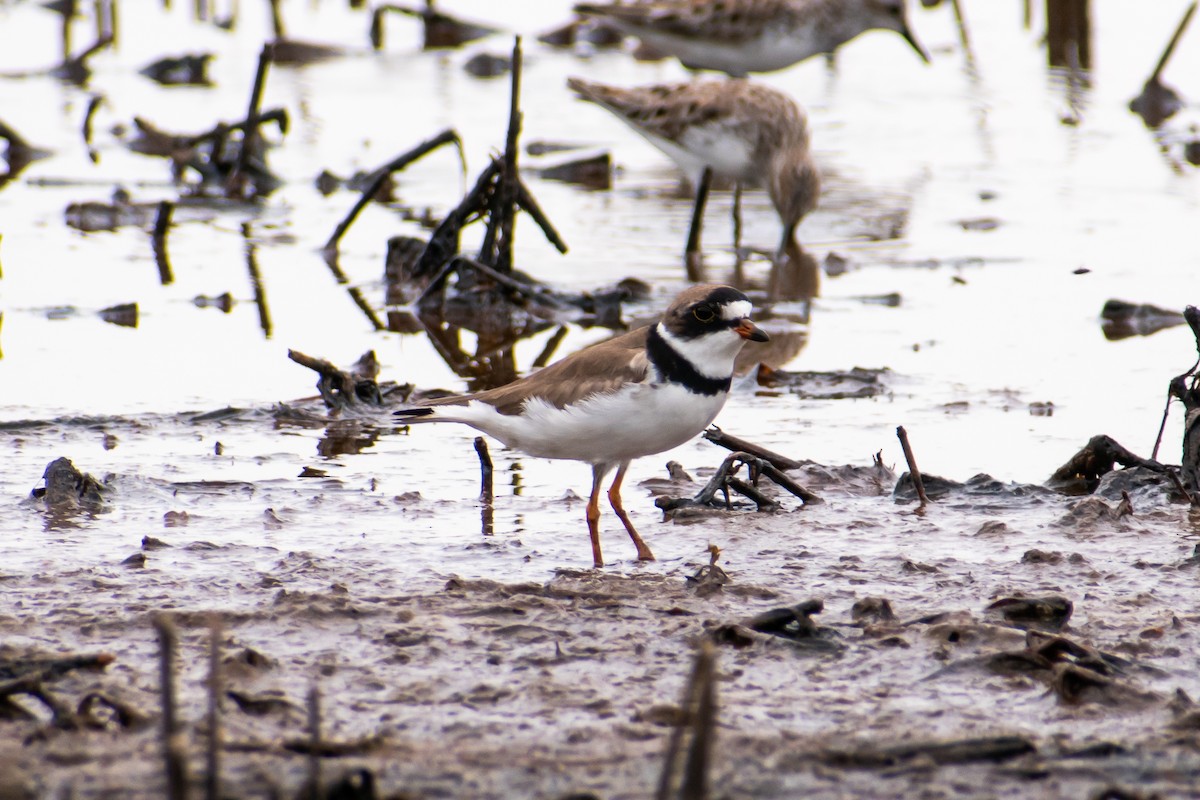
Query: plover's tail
[414,414]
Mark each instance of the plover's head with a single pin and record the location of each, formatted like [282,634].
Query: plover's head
[712,315]
[889,15]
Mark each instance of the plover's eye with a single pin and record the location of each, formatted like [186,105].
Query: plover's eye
[704,313]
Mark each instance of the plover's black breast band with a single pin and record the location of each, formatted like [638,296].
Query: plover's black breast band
[675,368]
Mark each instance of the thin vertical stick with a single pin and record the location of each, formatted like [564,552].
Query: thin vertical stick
[93,104]
[737,219]
[485,466]
[702,674]
[158,240]
[111,19]
[250,133]
[704,723]
[174,757]
[691,254]
[510,184]
[487,518]
[314,752]
[260,292]
[212,780]
[68,15]
[912,466]
[1166,56]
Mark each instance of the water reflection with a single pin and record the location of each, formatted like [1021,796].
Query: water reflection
[347,437]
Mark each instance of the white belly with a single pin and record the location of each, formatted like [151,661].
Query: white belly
[638,421]
[776,49]
[711,145]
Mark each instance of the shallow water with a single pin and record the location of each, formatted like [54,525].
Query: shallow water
[318,572]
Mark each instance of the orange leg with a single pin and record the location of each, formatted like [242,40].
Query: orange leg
[593,511]
[614,497]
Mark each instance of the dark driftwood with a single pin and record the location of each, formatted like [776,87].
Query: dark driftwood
[342,388]
[1096,459]
[723,480]
[1186,388]
[730,442]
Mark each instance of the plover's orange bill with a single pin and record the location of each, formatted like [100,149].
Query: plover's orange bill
[746,132]
[743,36]
[641,393]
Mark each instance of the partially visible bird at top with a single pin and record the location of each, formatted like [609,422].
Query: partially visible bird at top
[743,36]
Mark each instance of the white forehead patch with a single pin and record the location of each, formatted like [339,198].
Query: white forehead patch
[738,309]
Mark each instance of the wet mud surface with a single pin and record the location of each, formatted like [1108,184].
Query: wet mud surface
[1009,641]
[1002,261]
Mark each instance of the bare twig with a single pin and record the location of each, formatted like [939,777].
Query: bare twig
[527,202]
[260,293]
[250,134]
[551,346]
[691,254]
[485,467]
[731,442]
[699,715]
[380,175]
[212,778]
[93,104]
[509,179]
[314,733]
[912,466]
[174,749]
[1166,56]
[1175,389]
[158,240]
[704,725]
[486,509]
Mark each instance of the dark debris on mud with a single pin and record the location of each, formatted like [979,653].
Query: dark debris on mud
[493,689]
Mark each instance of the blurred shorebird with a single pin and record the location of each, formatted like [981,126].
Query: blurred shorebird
[743,36]
[745,132]
[641,393]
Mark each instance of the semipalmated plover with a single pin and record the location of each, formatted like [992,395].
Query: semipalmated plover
[641,393]
[746,132]
[743,36]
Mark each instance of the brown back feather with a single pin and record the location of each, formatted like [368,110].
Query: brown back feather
[600,368]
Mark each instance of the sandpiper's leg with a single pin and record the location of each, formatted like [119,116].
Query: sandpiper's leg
[691,256]
[614,497]
[593,510]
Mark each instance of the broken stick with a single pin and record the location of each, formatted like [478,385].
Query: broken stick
[912,467]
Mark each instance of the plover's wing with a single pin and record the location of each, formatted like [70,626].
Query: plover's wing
[601,368]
